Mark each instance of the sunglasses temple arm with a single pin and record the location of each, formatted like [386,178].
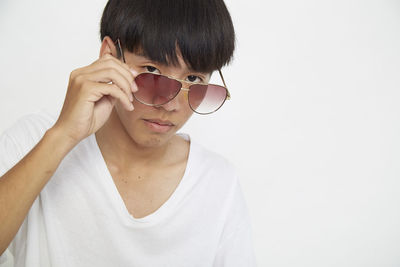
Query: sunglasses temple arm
[223,80]
[120,50]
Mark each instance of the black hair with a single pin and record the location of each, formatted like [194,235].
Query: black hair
[201,29]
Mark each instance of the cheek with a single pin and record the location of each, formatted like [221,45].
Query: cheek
[184,109]
[139,108]
[185,113]
[126,116]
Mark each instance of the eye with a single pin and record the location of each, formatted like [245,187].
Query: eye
[152,69]
[194,79]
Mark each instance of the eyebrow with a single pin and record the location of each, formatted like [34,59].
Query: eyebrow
[141,53]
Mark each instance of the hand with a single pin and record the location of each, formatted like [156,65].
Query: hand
[92,93]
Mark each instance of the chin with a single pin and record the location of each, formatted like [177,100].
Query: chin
[152,140]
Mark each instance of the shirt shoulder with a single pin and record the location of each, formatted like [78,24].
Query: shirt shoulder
[211,159]
[31,126]
[212,172]
[17,140]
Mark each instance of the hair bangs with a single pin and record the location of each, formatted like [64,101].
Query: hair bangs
[201,31]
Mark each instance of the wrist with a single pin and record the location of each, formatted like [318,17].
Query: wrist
[61,141]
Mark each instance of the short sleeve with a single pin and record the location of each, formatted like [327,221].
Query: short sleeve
[15,143]
[6,260]
[9,156]
[9,153]
[236,247]
[21,137]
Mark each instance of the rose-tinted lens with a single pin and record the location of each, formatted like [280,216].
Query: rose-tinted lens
[206,99]
[155,89]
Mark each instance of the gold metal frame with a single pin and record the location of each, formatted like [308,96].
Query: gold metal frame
[186,90]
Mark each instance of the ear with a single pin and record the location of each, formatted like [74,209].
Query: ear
[108,47]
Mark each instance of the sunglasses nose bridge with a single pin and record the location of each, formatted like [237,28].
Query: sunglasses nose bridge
[185,91]
[183,86]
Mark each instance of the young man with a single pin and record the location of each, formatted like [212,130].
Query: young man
[109,182]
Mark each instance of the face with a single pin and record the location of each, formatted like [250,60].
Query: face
[155,126]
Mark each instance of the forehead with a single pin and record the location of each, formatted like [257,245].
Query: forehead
[139,57]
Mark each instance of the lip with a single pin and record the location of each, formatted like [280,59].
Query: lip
[157,125]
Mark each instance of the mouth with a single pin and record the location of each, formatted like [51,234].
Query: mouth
[158,126]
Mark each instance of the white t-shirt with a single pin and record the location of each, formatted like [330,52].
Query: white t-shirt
[80,219]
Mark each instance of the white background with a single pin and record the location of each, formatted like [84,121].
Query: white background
[313,124]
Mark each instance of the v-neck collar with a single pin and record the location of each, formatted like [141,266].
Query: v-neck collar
[118,202]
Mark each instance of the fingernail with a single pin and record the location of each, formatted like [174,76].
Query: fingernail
[131,107]
[134,87]
[131,97]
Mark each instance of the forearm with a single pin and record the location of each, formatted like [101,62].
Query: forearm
[21,185]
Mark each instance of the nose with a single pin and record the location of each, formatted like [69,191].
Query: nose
[175,104]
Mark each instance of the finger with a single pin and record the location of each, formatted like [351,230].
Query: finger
[135,88]
[98,90]
[116,60]
[111,75]
[130,73]
[108,61]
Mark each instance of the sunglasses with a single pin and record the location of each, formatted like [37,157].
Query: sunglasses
[157,89]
